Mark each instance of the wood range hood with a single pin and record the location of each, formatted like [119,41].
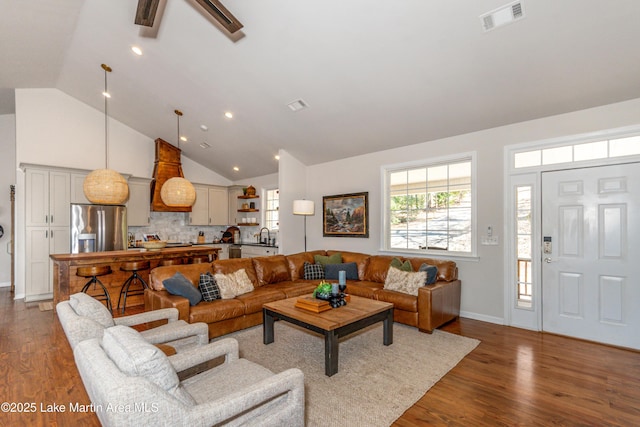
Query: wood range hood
[167,165]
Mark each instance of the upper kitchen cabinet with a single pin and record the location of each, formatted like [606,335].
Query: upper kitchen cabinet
[234,192]
[47,198]
[139,204]
[77,188]
[211,206]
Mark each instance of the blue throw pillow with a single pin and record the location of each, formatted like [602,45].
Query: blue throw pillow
[180,285]
[432,273]
[313,271]
[331,271]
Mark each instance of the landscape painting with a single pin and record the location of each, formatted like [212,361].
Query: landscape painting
[346,215]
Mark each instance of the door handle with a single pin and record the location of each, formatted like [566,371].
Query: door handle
[547,260]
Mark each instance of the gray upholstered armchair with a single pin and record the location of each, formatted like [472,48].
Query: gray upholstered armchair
[132,383]
[83,317]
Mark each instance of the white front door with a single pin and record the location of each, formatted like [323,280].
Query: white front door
[591,264]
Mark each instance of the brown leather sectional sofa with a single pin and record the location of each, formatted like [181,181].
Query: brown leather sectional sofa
[279,276]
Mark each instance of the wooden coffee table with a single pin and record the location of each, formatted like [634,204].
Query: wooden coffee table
[333,324]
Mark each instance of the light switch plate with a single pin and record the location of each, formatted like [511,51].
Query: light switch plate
[489,241]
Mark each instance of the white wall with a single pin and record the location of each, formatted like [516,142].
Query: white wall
[293,185]
[7,178]
[482,278]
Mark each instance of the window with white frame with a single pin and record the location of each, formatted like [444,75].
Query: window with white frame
[271,210]
[429,207]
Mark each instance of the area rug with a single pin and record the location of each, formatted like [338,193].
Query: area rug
[45,306]
[374,385]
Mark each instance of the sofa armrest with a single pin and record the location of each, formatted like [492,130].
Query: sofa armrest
[168,314]
[438,304]
[227,347]
[156,300]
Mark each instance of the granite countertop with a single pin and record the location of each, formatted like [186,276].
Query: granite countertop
[260,245]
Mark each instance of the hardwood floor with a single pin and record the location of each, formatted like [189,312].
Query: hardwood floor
[514,377]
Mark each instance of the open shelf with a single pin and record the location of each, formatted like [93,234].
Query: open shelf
[248,210]
[249,197]
[248,224]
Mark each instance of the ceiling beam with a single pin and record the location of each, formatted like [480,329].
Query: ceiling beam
[146,12]
[221,14]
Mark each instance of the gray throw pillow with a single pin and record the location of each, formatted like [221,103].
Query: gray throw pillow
[432,273]
[180,285]
[313,271]
[350,268]
[208,287]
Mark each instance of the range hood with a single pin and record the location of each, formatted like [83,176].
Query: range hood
[167,165]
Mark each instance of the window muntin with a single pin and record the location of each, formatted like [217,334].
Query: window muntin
[271,210]
[430,207]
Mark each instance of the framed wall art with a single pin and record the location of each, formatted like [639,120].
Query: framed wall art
[345,215]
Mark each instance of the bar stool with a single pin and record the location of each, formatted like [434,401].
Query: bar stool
[134,266]
[199,259]
[94,272]
[170,261]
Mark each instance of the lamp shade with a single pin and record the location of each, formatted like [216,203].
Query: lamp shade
[178,192]
[303,207]
[105,187]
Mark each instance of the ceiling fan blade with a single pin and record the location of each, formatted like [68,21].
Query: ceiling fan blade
[146,12]
[221,14]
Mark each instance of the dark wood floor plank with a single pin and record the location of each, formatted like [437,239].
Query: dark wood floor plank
[514,377]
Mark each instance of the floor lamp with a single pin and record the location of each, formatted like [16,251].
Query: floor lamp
[305,208]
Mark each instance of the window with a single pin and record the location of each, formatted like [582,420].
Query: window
[271,210]
[524,227]
[429,207]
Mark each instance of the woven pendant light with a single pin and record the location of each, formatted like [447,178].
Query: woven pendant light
[106,186]
[178,191]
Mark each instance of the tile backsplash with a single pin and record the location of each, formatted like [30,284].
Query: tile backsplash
[175,227]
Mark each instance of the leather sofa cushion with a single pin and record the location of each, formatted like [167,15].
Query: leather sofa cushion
[363,289]
[296,264]
[190,271]
[228,266]
[377,269]
[253,300]
[271,269]
[362,260]
[447,270]
[216,310]
[400,300]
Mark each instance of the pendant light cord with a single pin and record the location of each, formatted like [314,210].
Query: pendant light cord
[106,95]
[178,113]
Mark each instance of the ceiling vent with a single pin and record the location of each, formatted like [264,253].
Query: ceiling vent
[297,105]
[502,16]
[205,145]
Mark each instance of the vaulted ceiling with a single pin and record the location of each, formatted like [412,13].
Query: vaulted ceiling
[374,74]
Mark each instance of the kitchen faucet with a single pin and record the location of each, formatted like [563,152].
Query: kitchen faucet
[268,234]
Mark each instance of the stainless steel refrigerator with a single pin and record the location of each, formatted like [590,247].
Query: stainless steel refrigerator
[98,228]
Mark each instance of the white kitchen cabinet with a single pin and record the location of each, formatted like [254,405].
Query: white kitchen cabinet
[48,198]
[77,188]
[42,242]
[139,204]
[249,251]
[200,210]
[218,206]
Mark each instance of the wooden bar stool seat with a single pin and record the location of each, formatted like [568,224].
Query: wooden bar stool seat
[94,272]
[200,259]
[170,261]
[134,267]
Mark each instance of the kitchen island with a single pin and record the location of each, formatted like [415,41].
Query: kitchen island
[65,266]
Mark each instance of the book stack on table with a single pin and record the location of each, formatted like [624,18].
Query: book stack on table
[313,304]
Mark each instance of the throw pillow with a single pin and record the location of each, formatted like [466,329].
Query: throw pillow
[86,306]
[208,287]
[403,266]
[331,271]
[313,271]
[432,273]
[333,259]
[233,284]
[404,281]
[180,285]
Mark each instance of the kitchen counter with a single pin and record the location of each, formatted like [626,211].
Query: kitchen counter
[260,245]
[66,282]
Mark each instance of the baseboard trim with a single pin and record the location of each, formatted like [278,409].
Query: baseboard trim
[5,284]
[482,317]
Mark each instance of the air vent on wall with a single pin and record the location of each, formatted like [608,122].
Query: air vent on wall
[205,145]
[502,16]
[297,105]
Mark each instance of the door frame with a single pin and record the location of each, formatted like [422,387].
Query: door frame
[531,318]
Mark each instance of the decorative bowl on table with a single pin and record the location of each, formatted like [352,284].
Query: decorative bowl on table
[154,245]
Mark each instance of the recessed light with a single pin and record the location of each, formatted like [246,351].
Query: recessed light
[235,168]
[183,138]
[204,128]
[136,50]
[228,115]
[277,157]
[106,94]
